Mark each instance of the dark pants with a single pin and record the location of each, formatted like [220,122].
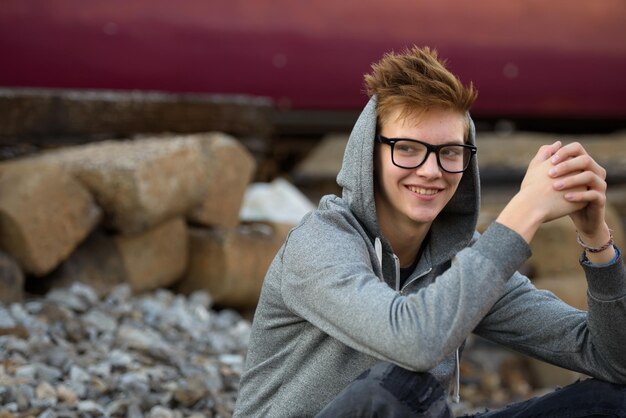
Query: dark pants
[387,390]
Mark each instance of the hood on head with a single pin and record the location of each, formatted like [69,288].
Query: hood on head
[453,228]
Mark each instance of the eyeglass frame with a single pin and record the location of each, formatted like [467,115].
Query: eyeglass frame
[429,148]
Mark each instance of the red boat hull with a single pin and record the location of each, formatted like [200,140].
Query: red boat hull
[528,58]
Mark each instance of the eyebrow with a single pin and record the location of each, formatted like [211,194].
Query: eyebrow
[450,142]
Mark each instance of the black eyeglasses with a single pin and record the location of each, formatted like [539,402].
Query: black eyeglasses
[411,153]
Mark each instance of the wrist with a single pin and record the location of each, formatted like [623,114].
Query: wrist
[598,247]
[520,218]
[597,239]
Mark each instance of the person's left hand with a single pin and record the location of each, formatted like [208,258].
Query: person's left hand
[574,168]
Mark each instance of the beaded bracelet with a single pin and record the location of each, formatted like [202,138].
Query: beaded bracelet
[595,249]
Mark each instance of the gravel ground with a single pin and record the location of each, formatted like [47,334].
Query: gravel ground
[72,353]
[161,355]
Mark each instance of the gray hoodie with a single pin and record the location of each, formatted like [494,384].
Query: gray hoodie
[331,305]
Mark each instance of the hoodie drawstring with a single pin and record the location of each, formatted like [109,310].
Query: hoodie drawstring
[456,397]
[378,246]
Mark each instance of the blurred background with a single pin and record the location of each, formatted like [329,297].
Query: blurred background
[282,81]
[531,62]
[538,67]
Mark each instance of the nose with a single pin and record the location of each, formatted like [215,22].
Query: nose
[430,168]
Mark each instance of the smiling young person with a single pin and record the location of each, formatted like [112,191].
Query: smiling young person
[366,307]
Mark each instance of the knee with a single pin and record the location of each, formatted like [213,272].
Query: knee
[417,385]
[608,395]
[390,391]
[597,386]
[398,381]
[421,392]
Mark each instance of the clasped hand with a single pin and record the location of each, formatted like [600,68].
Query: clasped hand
[564,180]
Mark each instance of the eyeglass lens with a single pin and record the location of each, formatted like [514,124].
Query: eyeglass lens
[452,158]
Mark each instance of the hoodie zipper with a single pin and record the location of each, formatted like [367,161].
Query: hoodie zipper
[457,369]
[419,276]
[396,262]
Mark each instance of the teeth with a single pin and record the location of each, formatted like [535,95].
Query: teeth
[419,190]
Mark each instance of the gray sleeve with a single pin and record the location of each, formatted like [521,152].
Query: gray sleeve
[539,324]
[328,280]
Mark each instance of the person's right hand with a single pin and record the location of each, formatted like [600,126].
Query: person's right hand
[537,188]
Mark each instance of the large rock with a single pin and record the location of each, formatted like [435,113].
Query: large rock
[616,196]
[231,264]
[155,258]
[44,215]
[545,375]
[97,262]
[11,280]
[148,260]
[315,175]
[555,250]
[324,161]
[230,168]
[141,183]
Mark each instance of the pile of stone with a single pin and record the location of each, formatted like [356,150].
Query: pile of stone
[73,353]
[151,212]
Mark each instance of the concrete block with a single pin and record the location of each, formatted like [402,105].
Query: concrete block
[97,262]
[545,375]
[231,264]
[616,197]
[229,170]
[148,260]
[139,184]
[155,258]
[44,215]
[555,250]
[316,174]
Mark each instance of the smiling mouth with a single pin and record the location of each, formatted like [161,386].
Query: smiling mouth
[422,191]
